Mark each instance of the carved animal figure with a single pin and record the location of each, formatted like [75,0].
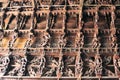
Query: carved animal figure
[37,63]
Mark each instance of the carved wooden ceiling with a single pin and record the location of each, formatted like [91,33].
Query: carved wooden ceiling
[59,39]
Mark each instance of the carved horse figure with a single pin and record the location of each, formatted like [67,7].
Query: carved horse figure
[53,65]
[19,66]
[38,62]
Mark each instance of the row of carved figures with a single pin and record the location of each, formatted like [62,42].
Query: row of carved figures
[63,37]
[70,66]
[60,2]
[102,2]
[59,20]
[42,2]
[12,39]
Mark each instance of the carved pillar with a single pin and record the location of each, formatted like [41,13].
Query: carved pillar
[33,22]
[4,62]
[23,66]
[14,37]
[113,17]
[47,25]
[78,66]
[116,59]
[98,67]
[60,66]
[64,21]
[1,35]
[96,44]
[96,17]
[1,21]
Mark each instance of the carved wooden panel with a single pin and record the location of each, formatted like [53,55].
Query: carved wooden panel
[59,39]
